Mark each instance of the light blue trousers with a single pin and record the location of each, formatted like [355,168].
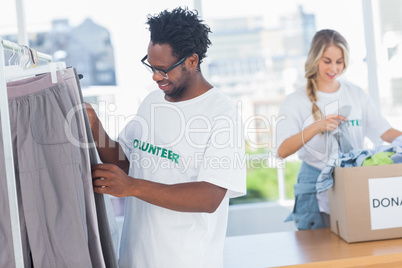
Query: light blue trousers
[306,212]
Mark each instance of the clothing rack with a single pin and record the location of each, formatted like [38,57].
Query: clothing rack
[7,143]
[14,47]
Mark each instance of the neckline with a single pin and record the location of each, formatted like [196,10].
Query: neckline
[331,93]
[198,98]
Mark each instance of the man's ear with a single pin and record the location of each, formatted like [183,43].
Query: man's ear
[193,61]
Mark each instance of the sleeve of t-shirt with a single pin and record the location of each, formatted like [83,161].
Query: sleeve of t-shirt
[223,162]
[136,124]
[123,138]
[287,124]
[376,124]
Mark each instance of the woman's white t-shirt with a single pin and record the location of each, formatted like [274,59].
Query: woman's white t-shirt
[364,120]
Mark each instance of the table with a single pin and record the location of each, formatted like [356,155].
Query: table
[309,248]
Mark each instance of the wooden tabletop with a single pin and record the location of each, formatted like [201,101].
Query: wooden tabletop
[309,248]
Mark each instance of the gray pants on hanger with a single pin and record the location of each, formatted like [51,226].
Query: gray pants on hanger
[57,214]
[108,250]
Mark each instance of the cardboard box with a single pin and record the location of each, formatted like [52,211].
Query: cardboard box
[366,203]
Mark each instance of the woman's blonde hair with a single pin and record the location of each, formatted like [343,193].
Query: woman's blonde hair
[321,41]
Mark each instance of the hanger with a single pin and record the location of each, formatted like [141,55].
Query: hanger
[12,55]
[24,57]
[26,64]
[35,57]
[14,72]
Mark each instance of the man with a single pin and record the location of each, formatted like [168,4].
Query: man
[185,155]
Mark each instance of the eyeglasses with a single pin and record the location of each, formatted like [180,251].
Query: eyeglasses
[163,73]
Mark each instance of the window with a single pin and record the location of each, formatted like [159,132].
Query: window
[257,54]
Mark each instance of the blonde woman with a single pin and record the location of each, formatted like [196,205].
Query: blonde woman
[308,119]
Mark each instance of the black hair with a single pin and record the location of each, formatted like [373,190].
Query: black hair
[182,30]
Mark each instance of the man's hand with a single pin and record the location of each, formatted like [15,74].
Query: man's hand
[92,117]
[110,179]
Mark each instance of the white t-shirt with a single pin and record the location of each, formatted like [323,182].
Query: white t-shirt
[364,120]
[175,142]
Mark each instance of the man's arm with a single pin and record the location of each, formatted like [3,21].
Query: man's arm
[109,150]
[183,197]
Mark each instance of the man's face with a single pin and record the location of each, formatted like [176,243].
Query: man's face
[175,86]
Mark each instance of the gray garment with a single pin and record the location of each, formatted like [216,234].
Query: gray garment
[326,219]
[108,249]
[81,142]
[54,186]
[343,138]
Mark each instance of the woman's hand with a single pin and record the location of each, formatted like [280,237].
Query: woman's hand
[295,142]
[331,122]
